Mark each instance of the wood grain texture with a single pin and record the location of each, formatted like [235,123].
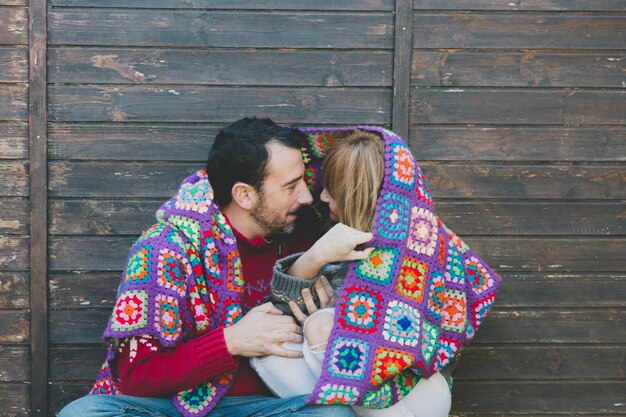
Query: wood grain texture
[518,31]
[511,143]
[504,254]
[348,5]
[541,5]
[13,140]
[220,29]
[15,399]
[221,67]
[214,104]
[13,179]
[14,290]
[518,106]
[14,102]
[514,69]
[14,253]
[14,363]
[14,26]
[13,64]
[14,326]
[14,216]
[402,68]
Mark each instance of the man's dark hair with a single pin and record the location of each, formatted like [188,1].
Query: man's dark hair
[239,153]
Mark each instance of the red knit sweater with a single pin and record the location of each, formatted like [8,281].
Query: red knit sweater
[147,369]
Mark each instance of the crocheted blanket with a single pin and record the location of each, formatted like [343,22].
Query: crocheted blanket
[403,313]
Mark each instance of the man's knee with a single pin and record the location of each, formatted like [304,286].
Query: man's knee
[341,411]
[79,407]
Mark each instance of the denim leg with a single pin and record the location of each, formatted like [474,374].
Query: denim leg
[263,406]
[119,406]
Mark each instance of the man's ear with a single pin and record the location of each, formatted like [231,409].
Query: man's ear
[244,195]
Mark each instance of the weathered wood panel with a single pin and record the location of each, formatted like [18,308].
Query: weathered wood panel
[94,179]
[13,101]
[533,398]
[13,253]
[452,143]
[515,327]
[513,69]
[15,399]
[13,216]
[525,181]
[13,179]
[348,5]
[553,5]
[13,64]
[88,290]
[221,67]
[518,106]
[104,253]
[224,29]
[13,140]
[518,31]
[14,363]
[13,2]
[76,363]
[214,104]
[13,26]
[14,326]
[14,290]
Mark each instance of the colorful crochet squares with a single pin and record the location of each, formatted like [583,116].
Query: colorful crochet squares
[454,311]
[448,347]
[422,231]
[402,167]
[379,267]
[430,339]
[405,382]
[338,394]
[455,271]
[380,398]
[423,191]
[211,260]
[131,311]
[360,310]
[402,324]
[389,362]
[348,358]
[231,312]
[412,279]
[195,197]
[138,267]
[480,278]
[393,216]
[196,399]
[170,271]
[190,227]
[480,309]
[320,142]
[167,317]
[436,294]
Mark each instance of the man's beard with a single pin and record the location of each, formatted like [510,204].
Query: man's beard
[271,225]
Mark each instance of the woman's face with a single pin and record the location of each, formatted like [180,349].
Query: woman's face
[332,204]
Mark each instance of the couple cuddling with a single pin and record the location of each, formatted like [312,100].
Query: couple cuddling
[366,316]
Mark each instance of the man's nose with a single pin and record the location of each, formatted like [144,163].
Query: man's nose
[305,198]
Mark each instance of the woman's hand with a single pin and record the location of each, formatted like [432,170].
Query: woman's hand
[326,295]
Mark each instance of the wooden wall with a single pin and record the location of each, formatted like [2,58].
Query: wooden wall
[516,110]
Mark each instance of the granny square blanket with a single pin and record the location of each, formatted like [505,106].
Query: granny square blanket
[401,314]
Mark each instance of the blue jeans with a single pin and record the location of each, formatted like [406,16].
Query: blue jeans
[246,406]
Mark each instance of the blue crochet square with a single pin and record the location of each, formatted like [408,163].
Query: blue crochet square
[348,358]
[393,217]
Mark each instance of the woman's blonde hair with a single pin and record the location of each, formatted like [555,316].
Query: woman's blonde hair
[353,172]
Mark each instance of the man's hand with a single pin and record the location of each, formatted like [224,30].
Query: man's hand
[326,295]
[262,332]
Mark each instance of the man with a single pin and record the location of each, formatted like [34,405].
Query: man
[190,308]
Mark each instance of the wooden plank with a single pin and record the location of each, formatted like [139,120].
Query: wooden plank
[88,290]
[531,218]
[556,363]
[514,69]
[220,29]
[62,394]
[14,253]
[76,363]
[13,65]
[13,216]
[133,142]
[13,2]
[221,67]
[446,143]
[214,104]
[13,141]
[14,326]
[14,26]
[508,106]
[401,68]
[89,253]
[15,399]
[532,398]
[14,363]
[548,5]
[14,290]
[348,5]
[88,179]
[160,180]
[101,217]
[518,31]
[509,327]
[525,181]
[13,179]
[13,101]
